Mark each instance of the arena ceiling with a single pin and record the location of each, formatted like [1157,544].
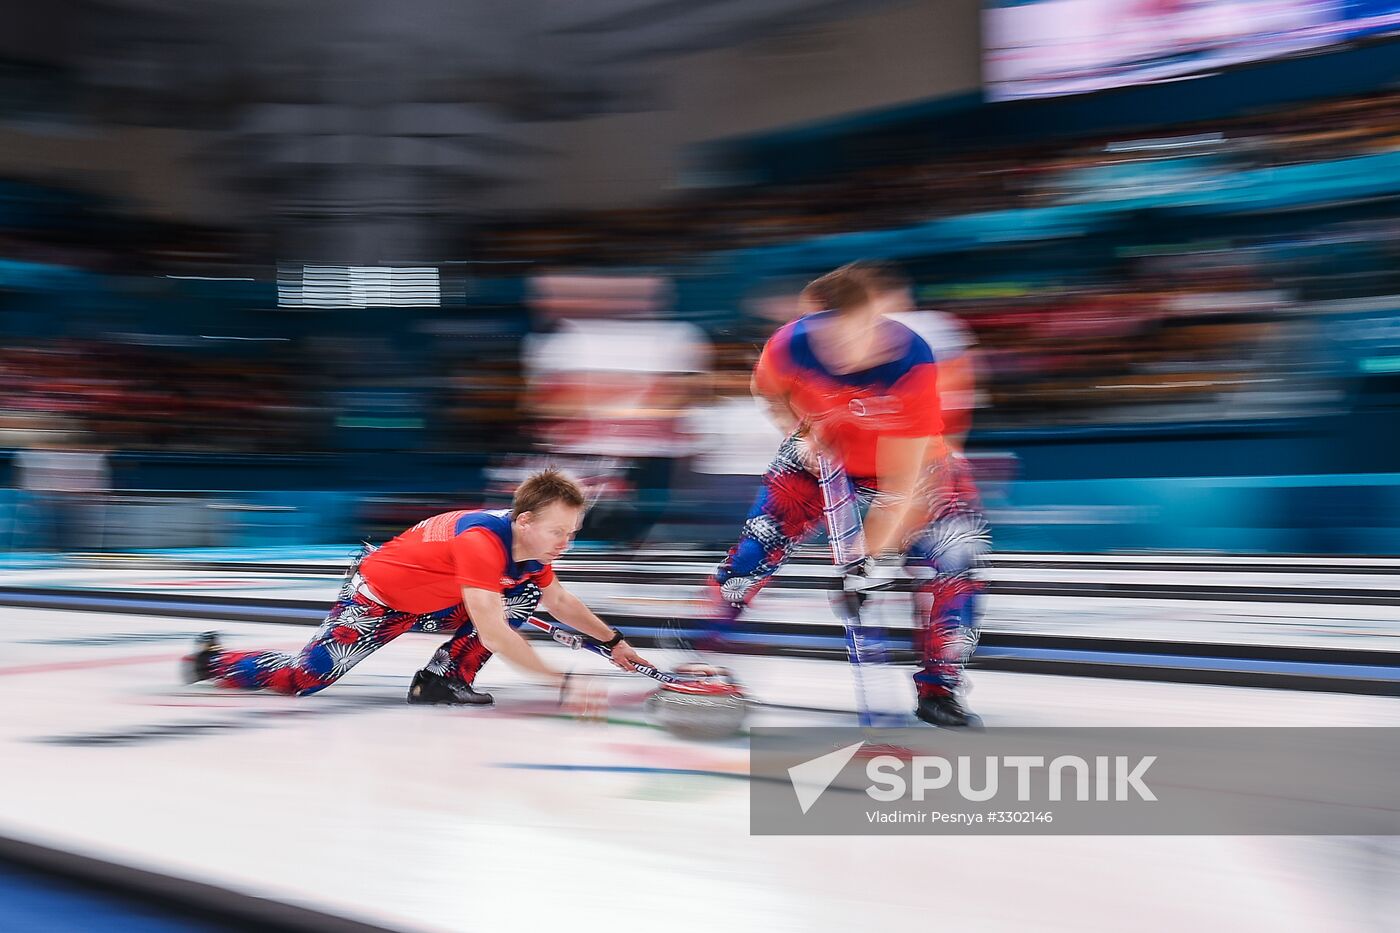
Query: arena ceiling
[327,106]
[314,80]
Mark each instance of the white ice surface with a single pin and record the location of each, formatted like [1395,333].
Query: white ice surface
[353,802]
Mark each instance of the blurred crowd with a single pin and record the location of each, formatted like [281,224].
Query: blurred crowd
[909,189]
[134,397]
[1148,322]
[1219,342]
[1158,347]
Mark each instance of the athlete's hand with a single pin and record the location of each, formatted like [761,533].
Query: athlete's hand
[806,453]
[808,445]
[863,577]
[584,697]
[626,657]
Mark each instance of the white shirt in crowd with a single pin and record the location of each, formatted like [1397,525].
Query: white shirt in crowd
[46,470]
[733,437]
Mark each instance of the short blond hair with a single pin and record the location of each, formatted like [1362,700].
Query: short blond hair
[543,489]
[854,285]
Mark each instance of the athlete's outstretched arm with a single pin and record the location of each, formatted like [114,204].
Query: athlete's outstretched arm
[569,609]
[776,404]
[488,614]
[957,380]
[899,462]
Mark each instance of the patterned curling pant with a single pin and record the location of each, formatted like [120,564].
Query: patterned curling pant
[943,558]
[946,559]
[355,628]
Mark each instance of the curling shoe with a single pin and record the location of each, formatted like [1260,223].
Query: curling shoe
[436,690]
[200,665]
[944,710]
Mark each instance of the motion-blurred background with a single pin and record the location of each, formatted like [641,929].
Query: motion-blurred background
[290,274]
[277,276]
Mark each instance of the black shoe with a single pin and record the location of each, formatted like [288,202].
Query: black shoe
[200,665]
[428,687]
[944,710]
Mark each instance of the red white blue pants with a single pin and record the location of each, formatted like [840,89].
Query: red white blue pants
[355,628]
[943,558]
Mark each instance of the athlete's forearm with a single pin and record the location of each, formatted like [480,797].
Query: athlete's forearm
[899,463]
[512,646]
[957,390]
[931,473]
[888,516]
[488,616]
[779,411]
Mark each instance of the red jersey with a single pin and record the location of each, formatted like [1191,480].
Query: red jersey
[897,398]
[424,569]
